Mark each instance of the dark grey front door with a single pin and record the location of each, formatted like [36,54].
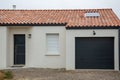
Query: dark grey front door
[94,53]
[19,49]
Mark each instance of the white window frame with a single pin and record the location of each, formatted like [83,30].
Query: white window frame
[92,14]
[52,53]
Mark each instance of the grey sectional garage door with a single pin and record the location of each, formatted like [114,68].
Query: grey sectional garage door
[94,53]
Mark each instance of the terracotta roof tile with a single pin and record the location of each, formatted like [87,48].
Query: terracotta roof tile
[72,18]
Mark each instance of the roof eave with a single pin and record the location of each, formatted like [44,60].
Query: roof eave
[93,27]
[35,24]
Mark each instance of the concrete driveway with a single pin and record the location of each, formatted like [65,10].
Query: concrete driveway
[50,74]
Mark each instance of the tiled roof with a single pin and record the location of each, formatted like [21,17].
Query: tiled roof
[72,18]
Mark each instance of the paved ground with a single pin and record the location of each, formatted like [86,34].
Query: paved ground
[50,74]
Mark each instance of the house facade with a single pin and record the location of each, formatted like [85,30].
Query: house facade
[70,39]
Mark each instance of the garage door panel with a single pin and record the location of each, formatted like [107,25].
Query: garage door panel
[95,66]
[94,53]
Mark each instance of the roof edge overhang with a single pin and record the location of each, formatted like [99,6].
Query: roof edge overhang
[62,24]
[94,27]
[37,24]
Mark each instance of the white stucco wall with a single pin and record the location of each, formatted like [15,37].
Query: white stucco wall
[70,44]
[17,30]
[36,47]
[3,47]
[38,51]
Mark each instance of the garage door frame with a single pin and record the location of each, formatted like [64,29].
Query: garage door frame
[70,43]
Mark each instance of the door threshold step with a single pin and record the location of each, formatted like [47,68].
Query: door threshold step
[18,66]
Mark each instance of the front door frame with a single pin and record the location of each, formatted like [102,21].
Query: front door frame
[18,30]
